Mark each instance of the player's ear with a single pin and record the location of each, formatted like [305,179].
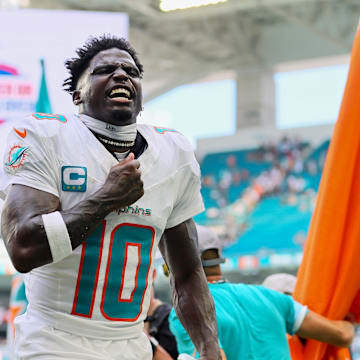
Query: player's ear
[76,97]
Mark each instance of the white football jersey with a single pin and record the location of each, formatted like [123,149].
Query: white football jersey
[103,288]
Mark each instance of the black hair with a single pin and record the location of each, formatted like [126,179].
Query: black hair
[76,66]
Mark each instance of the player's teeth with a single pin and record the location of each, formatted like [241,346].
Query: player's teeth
[120,91]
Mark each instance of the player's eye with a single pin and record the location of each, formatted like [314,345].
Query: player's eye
[103,70]
[131,71]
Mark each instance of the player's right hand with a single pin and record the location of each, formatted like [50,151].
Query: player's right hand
[123,185]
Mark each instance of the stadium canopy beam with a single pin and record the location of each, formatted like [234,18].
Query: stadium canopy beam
[230,7]
[302,22]
[186,46]
[123,5]
[148,10]
[243,32]
[199,63]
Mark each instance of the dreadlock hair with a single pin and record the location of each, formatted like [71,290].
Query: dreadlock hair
[76,66]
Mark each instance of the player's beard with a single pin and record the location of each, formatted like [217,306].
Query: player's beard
[125,116]
[121,116]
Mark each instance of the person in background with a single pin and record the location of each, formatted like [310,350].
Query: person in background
[156,325]
[285,283]
[17,306]
[281,282]
[253,320]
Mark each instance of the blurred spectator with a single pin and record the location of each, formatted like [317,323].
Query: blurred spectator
[284,168]
[156,325]
[296,184]
[285,283]
[253,320]
[282,282]
[17,306]
[207,180]
[312,167]
[231,161]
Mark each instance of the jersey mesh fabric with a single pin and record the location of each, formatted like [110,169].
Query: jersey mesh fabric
[102,289]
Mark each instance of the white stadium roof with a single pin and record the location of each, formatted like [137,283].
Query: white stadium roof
[184,46]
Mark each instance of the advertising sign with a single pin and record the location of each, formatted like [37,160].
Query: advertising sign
[27,36]
[53,35]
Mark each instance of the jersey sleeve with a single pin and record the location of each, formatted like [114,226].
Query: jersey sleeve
[300,313]
[291,311]
[188,201]
[28,159]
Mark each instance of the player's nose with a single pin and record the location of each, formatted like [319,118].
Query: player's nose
[120,74]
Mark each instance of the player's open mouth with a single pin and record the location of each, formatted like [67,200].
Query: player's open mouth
[120,94]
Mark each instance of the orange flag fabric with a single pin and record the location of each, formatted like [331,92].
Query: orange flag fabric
[296,348]
[329,275]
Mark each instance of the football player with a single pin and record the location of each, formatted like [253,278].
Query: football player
[90,197]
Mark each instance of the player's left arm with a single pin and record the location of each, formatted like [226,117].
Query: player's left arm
[335,332]
[191,297]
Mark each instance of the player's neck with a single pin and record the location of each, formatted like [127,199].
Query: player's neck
[114,137]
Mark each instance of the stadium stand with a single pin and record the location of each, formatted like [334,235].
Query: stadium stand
[246,192]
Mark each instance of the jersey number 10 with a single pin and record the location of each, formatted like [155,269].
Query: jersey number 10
[126,275]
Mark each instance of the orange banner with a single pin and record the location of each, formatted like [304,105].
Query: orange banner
[329,275]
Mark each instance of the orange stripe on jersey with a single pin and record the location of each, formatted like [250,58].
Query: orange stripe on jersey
[43,116]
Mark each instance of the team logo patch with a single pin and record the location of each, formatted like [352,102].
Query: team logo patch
[73,178]
[16,156]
